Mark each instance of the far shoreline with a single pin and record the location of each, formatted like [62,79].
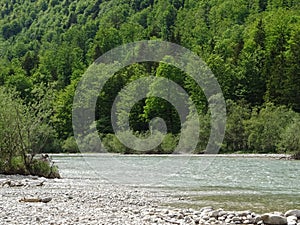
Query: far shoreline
[231,155]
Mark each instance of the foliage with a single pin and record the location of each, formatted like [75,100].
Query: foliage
[265,127]
[112,144]
[235,136]
[70,145]
[24,131]
[289,138]
[252,47]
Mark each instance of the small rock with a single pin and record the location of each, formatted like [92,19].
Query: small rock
[187,219]
[249,217]
[165,211]
[273,219]
[197,221]
[260,222]
[222,213]
[213,214]
[294,212]
[180,216]
[291,218]
[236,218]
[208,208]
[243,213]
[136,211]
[221,218]
[257,219]
[230,216]
[205,217]
[228,220]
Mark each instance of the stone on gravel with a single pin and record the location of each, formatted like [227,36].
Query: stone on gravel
[273,219]
[294,212]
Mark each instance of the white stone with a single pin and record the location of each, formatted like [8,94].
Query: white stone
[243,213]
[207,209]
[212,219]
[294,212]
[222,213]
[249,217]
[228,221]
[291,218]
[205,217]
[221,218]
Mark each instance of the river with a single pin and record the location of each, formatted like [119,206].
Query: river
[232,183]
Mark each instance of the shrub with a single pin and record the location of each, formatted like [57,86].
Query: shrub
[44,168]
[40,168]
[169,143]
[265,127]
[23,130]
[17,166]
[70,145]
[204,131]
[289,138]
[112,144]
[235,137]
[90,143]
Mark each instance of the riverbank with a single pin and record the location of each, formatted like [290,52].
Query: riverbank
[87,201]
[231,155]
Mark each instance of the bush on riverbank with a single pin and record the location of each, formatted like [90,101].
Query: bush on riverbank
[267,129]
[113,144]
[38,167]
[24,132]
[290,138]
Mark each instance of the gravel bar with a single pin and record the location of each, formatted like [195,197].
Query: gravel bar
[31,200]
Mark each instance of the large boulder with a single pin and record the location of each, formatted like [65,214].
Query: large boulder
[293,212]
[273,219]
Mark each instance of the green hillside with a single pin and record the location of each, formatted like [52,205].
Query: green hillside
[252,47]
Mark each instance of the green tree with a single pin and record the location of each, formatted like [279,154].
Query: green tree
[289,138]
[293,71]
[24,130]
[158,107]
[235,136]
[265,127]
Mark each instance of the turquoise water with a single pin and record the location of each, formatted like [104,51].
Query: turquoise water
[259,184]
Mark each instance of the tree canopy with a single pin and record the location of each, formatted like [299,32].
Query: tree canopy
[251,46]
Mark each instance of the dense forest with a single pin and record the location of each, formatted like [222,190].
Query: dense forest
[251,46]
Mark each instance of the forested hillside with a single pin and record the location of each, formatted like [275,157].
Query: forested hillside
[252,47]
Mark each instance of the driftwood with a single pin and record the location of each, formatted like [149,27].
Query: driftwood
[44,200]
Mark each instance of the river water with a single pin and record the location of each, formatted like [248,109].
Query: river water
[232,183]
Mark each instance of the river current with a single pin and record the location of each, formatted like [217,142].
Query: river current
[232,183]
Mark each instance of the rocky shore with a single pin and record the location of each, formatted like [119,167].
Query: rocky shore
[75,201]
